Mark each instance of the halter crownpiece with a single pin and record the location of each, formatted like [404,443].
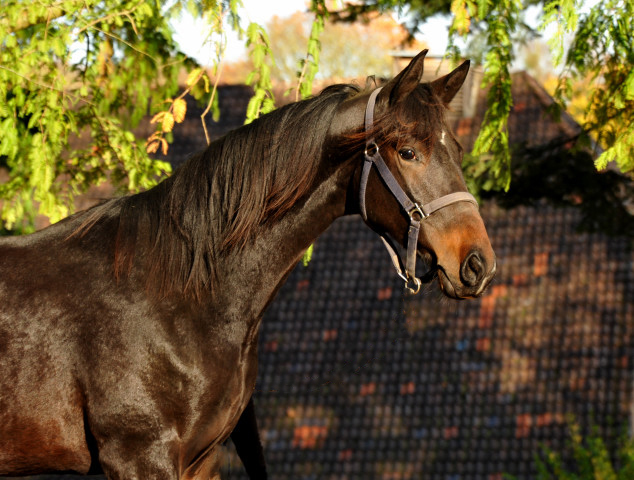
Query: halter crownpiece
[416,213]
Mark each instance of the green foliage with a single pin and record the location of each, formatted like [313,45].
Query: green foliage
[590,459]
[491,148]
[308,256]
[78,68]
[309,66]
[91,69]
[603,49]
[94,68]
[263,100]
[562,14]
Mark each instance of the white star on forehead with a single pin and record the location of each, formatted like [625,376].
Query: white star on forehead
[442,137]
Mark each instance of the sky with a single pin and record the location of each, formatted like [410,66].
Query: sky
[190,32]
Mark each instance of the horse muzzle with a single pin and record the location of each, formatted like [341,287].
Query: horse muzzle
[474,276]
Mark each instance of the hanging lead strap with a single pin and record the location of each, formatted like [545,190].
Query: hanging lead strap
[415,212]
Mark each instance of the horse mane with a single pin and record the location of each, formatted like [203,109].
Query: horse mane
[212,204]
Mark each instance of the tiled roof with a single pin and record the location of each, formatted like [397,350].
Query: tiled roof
[531,122]
[357,381]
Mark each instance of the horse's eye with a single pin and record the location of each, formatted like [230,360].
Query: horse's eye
[407,154]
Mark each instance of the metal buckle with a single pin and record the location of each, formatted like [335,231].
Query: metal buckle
[416,210]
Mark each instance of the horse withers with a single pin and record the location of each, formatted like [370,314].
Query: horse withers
[128,332]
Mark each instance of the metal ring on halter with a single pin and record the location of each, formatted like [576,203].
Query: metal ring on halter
[416,210]
[417,284]
[371,149]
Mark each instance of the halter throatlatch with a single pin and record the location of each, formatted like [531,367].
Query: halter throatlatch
[416,213]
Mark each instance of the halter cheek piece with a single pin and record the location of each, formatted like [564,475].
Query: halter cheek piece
[416,213]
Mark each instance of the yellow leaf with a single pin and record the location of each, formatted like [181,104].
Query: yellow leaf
[206,82]
[180,109]
[168,122]
[462,20]
[157,118]
[164,145]
[152,147]
[193,77]
[153,137]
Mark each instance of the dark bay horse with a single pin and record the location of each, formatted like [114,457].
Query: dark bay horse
[128,332]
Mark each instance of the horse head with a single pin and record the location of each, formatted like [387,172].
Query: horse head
[425,205]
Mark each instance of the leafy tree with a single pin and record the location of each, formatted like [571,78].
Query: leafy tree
[94,68]
[89,68]
[74,67]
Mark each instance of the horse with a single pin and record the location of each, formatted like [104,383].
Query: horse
[129,332]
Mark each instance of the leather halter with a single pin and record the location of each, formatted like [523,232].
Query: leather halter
[416,213]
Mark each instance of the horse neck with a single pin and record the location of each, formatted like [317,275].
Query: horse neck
[255,273]
[261,268]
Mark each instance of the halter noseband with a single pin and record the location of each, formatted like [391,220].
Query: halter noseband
[415,212]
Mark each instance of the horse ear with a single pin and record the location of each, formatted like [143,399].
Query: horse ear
[406,81]
[446,87]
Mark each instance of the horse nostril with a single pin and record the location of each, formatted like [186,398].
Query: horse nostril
[472,270]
